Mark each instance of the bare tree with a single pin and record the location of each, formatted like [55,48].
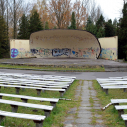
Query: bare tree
[80,14]
[59,10]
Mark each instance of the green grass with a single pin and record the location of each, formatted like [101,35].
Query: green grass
[56,117]
[55,68]
[110,115]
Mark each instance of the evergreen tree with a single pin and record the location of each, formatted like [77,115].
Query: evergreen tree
[100,33]
[23,28]
[73,21]
[35,23]
[46,26]
[4,49]
[122,42]
[100,24]
[109,29]
[91,27]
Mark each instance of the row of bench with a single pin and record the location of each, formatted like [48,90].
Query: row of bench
[116,83]
[5,81]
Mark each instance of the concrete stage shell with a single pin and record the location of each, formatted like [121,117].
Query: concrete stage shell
[64,43]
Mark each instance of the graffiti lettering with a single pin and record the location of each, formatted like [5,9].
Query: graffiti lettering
[59,52]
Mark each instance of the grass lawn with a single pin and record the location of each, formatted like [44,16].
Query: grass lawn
[57,115]
[110,115]
[53,68]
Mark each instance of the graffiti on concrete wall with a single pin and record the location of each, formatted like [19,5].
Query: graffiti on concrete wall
[74,52]
[14,53]
[60,52]
[20,53]
[41,52]
[108,53]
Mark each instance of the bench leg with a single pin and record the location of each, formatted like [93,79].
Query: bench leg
[120,112]
[0,97]
[61,93]
[47,113]
[23,89]
[124,89]
[24,100]
[106,91]
[38,123]
[38,92]
[17,90]
[1,118]
[53,104]
[125,123]
[14,108]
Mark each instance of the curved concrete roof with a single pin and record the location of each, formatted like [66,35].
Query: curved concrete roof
[64,43]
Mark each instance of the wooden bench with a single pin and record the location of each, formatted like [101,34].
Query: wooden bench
[117,101]
[38,119]
[124,117]
[61,91]
[120,109]
[105,88]
[14,104]
[53,101]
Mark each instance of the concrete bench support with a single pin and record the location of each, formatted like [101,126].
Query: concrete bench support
[1,118]
[38,123]
[24,100]
[38,92]
[14,108]
[120,112]
[47,113]
[53,104]
[61,93]
[17,90]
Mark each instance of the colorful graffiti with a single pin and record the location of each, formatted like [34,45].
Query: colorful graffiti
[108,53]
[14,53]
[79,52]
[20,53]
[60,52]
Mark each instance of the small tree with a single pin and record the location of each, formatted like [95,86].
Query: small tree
[73,21]
[35,23]
[90,26]
[23,28]
[4,49]
[46,26]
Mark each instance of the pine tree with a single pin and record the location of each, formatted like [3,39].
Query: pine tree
[35,23]
[122,42]
[73,21]
[23,28]
[4,48]
[46,26]
[100,24]
[90,26]
[109,29]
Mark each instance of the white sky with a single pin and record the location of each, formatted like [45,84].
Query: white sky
[111,8]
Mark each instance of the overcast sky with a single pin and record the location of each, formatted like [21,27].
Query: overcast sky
[111,8]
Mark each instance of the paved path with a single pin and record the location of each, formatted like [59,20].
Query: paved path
[84,115]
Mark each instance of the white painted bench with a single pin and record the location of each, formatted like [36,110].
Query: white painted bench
[61,91]
[53,101]
[124,117]
[14,104]
[120,109]
[117,101]
[38,119]
[105,88]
